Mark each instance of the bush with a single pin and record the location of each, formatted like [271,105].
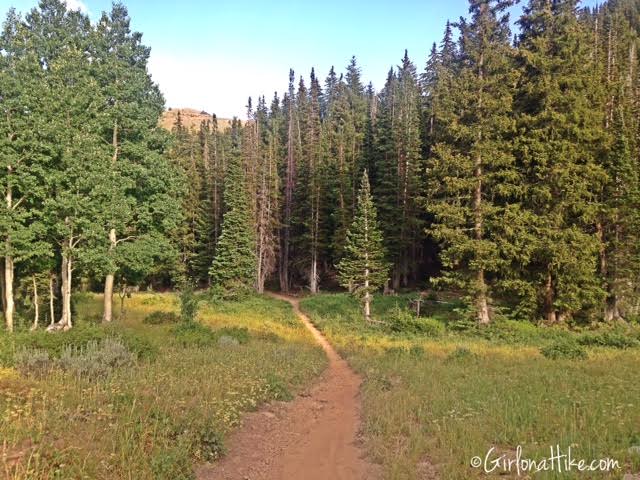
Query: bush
[189,304]
[564,349]
[461,353]
[233,292]
[608,339]
[139,345]
[32,361]
[57,342]
[193,334]
[240,334]
[209,443]
[278,388]
[172,464]
[96,360]
[404,321]
[160,317]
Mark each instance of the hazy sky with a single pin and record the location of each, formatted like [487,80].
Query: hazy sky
[213,54]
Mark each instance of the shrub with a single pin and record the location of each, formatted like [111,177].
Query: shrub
[189,304]
[96,360]
[461,353]
[172,464]
[139,345]
[32,361]
[209,443]
[233,292]
[93,360]
[240,334]
[608,339]
[404,321]
[395,351]
[227,341]
[564,349]
[416,351]
[193,334]
[56,343]
[160,317]
[278,388]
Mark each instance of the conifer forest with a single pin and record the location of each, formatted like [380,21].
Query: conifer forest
[504,166]
[493,181]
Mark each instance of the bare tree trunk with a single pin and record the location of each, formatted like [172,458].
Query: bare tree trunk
[107,315]
[52,297]
[313,276]
[549,297]
[367,297]
[482,306]
[36,304]
[289,187]
[8,291]
[66,272]
[9,305]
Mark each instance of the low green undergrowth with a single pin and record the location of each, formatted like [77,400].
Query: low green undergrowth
[90,403]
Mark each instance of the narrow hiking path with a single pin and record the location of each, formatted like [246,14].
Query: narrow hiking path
[313,437]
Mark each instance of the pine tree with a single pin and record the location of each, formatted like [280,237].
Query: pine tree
[234,266]
[267,186]
[472,170]
[559,134]
[289,184]
[363,269]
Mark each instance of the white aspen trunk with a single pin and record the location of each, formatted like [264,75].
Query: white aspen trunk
[67,300]
[52,312]
[107,309]
[8,292]
[9,305]
[313,284]
[66,270]
[36,304]
[107,314]
[63,289]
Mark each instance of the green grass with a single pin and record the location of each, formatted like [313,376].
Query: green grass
[172,409]
[444,400]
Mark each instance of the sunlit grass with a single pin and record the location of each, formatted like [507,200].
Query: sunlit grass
[424,402]
[155,420]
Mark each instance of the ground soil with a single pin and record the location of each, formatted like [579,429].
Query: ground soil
[313,437]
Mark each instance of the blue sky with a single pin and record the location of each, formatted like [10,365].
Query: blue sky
[213,54]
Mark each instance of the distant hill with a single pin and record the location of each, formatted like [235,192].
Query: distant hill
[191,119]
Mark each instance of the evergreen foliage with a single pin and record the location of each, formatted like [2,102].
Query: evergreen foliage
[364,269]
[235,263]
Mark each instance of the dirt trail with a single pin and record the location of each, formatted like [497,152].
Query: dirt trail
[314,437]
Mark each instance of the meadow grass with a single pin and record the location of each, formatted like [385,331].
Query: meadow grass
[168,411]
[431,403]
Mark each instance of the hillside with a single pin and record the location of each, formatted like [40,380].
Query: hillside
[191,118]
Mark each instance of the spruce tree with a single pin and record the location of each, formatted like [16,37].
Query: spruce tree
[234,266]
[472,170]
[363,268]
[559,136]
